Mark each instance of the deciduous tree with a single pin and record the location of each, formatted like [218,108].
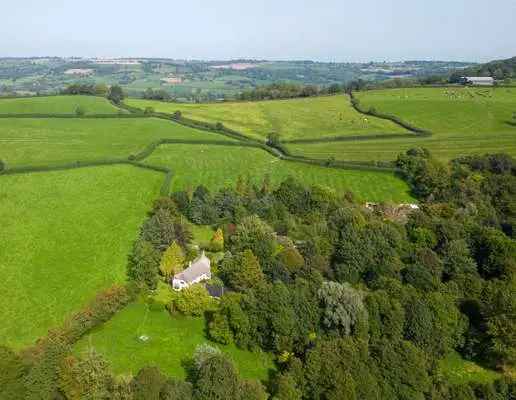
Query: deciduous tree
[172,261]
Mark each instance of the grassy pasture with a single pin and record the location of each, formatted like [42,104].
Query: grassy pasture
[218,166]
[313,117]
[443,146]
[463,121]
[65,235]
[57,105]
[470,110]
[172,341]
[42,141]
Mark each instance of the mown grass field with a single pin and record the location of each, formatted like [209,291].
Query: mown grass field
[463,121]
[42,141]
[314,117]
[218,166]
[172,341]
[65,235]
[459,371]
[57,105]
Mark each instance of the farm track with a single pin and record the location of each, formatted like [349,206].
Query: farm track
[241,141]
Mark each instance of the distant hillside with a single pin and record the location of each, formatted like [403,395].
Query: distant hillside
[498,69]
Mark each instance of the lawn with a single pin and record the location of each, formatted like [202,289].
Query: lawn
[313,117]
[57,105]
[459,371]
[65,235]
[172,341]
[219,166]
[202,235]
[43,141]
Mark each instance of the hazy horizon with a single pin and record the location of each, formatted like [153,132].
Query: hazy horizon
[329,30]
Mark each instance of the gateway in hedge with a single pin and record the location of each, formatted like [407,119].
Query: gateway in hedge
[199,270]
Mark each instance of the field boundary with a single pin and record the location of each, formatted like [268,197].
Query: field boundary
[276,150]
[351,138]
[73,116]
[26,169]
[241,140]
[355,103]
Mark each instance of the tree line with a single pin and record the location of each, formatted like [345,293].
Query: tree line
[284,90]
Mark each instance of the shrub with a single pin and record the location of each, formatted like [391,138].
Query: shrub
[80,111]
[116,94]
[217,241]
[172,261]
[194,300]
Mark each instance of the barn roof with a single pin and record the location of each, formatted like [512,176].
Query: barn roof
[480,78]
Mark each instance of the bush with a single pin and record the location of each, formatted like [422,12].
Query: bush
[116,94]
[194,301]
[80,111]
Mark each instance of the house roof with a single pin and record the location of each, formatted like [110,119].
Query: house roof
[200,266]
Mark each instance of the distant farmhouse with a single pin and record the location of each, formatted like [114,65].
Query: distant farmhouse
[79,71]
[172,80]
[199,270]
[477,80]
[115,61]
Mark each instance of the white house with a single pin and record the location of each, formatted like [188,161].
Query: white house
[478,80]
[199,270]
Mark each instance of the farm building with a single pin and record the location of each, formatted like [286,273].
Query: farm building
[79,71]
[199,270]
[478,80]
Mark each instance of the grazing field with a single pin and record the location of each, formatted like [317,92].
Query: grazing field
[58,105]
[172,341]
[65,235]
[218,166]
[472,110]
[42,141]
[463,121]
[313,117]
[443,146]
[459,371]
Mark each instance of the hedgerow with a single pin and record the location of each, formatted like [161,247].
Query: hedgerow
[371,111]
[74,116]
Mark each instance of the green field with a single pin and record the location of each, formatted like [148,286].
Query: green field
[57,105]
[42,141]
[469,110]
[463,121]
[218,166]
[65,236]
[172,340]
[443,146]
[313,117]
[459,371]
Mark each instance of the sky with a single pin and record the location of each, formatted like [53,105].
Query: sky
[323,30]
